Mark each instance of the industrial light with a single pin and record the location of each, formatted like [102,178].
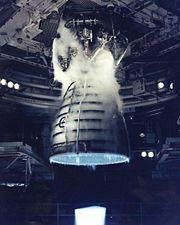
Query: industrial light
[150,154]
[90,215]
[13,184]
[16,86]
[10,84]
[143,154]
[161,85]
[142,135]
[171,85]
[3,82]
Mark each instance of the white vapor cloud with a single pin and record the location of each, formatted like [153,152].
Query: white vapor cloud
[100,70]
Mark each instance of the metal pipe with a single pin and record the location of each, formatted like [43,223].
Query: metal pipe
[79,114]
[77,22]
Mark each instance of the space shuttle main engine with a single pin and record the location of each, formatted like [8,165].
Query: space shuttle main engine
[89,129]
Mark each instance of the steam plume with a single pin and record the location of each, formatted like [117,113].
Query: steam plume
[99,71]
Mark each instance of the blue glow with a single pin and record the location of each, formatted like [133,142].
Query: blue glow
[93,215]
[88,159]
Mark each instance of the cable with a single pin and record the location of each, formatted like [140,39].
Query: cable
[79,113]
[67,115]
[68,89]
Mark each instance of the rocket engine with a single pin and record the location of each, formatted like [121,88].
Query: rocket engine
[89,128]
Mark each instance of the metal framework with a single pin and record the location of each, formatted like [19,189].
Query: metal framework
[17,162]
